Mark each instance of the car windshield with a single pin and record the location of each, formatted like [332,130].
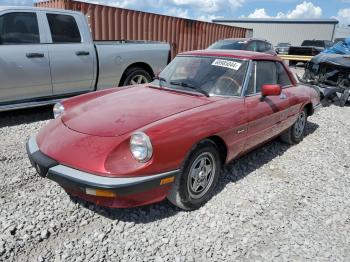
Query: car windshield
[229,44]
[207,75]
[283,45]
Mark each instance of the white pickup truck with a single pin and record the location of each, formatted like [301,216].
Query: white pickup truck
[49,54]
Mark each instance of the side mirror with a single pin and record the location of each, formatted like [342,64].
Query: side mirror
[270,90]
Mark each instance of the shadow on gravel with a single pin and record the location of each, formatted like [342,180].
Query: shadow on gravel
[25,116]
[254,160]
[234,171]
[137,215]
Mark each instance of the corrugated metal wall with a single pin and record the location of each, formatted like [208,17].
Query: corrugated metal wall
[294,33]
[111,23]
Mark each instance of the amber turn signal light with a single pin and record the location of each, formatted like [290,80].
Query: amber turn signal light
[167,180]
[100,192]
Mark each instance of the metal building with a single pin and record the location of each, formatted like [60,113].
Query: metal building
[293,31]
[342,32]
[112,23]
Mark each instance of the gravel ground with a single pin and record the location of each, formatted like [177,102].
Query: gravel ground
[277,203]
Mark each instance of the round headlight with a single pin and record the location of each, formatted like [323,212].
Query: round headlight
[141,147]
[58,109]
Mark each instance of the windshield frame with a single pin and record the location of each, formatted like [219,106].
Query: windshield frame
[244,82]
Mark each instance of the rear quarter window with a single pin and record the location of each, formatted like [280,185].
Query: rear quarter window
[261,46]
[64,28]
[252,46]
[268,46]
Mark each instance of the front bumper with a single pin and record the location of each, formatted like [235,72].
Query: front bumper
[85,182]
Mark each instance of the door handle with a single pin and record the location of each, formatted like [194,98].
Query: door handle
[35,55]
[82,53]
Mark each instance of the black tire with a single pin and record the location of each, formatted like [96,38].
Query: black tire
[295,133]
[182,193]
[132,73]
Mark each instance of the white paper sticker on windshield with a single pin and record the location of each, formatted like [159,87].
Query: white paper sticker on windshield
[226,63]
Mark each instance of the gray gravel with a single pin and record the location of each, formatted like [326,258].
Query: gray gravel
[277,203]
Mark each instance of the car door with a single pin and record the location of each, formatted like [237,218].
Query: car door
[264,115]
[24,60]
[288,99]
[71,56]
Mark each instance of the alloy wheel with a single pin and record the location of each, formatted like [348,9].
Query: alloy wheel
[138,79]
[201,175]
[300,125]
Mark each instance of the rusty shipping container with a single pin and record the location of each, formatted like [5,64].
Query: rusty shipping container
[112,23]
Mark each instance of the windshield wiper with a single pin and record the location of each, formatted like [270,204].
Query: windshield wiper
[188,85]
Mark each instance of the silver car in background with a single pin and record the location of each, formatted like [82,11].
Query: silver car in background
[282,48]
[49,54]
[247,44]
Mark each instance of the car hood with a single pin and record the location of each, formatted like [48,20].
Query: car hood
[123,111]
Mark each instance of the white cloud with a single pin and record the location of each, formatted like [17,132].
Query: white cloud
[17,2]
[343,16]
[303,10]
[205,10]
[259,13]
[234,4]
[209,18]
[126,3]
[209,6]
[193,9]
[178,12]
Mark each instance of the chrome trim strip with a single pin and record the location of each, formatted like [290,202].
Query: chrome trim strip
[105,182]
[247,78]
[32,145]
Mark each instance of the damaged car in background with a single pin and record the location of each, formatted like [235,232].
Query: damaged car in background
[330,72]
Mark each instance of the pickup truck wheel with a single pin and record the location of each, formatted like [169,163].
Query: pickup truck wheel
[200,174]
[296,132]
[135,76]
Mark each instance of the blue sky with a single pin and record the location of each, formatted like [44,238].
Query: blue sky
[211,9]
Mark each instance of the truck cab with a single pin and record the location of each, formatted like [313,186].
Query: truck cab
[49,54]
[44,53]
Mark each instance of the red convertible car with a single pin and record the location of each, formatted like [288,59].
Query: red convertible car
[137,145]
